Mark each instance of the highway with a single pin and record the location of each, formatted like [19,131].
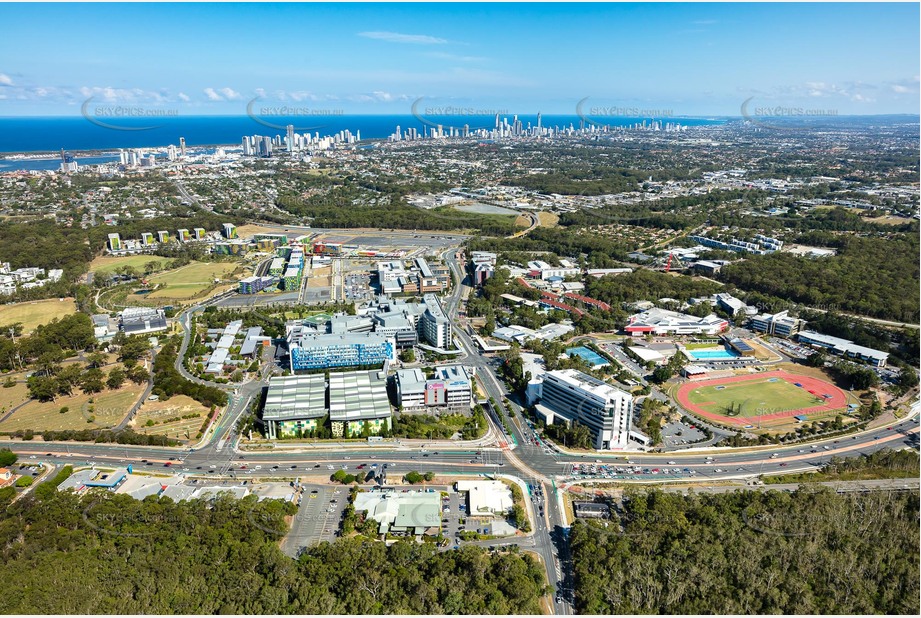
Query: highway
[540,465]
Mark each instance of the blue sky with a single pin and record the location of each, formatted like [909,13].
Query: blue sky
[688,59]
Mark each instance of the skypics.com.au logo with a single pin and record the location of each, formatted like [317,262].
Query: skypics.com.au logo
[124,117]
[282,115]
[615,114]
[447,116]
[781,117]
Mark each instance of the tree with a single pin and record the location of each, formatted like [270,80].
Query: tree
[96,360]
[68,378]
[413,477]
[138,374]
[520,517]
[661,374]
[151,267]
[7,457]
[48,362]
[92,381]
[43,388]
[116,378]
[408,355]
[133,349]
[908,379]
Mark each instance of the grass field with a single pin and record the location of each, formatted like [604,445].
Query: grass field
[548,219]
[191,280]
[756,397]
[15,395]
[106,410]
[108,263]
[245,231]
[161,411]
[35,313]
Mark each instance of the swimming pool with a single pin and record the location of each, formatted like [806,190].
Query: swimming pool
[714,355]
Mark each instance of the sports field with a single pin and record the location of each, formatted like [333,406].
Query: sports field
[744,400]
[36,313]
[752,397]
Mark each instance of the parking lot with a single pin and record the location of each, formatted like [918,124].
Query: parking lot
[681,434]
[317,518]
[356,286]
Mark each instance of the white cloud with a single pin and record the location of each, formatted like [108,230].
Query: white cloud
[122,95]
[5,80]
[455,57]
[230,94]
[184,97]
[379,96]
[212,95]
[397,37]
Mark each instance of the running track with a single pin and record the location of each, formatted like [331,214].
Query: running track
[838,399]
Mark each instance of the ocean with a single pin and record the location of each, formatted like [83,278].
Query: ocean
[79,134]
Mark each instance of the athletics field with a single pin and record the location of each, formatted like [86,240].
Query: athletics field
[747,400]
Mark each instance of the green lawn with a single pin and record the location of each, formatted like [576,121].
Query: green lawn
[108,263]
[106,410]
[757,397]
[191,280]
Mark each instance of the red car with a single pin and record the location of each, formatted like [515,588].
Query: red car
[361,466]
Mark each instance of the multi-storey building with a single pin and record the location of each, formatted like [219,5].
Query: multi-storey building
[844,347]
[573,396]
[293,405]
[780,324]
[312,350]
[450,387]
[436,327]
[358,403]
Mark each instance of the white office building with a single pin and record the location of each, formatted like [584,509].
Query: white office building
[573,396]
[436,327]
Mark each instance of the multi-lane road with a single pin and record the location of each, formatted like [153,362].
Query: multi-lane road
[540,465]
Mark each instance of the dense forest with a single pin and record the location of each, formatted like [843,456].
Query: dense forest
[750,552]
[648,285]
[106,554]
[346,206]
[580,180]
[599,251]
[47,244]
[876,277]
